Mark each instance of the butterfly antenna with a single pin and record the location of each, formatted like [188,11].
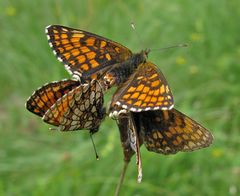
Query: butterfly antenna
[94,147]
[121,178]
[138,36]
[170,47]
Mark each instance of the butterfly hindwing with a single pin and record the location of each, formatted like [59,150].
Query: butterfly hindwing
[146,89]
[84,53]
[81,108]
[170,131]
[43,98]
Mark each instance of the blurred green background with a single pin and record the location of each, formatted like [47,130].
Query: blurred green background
[204,79]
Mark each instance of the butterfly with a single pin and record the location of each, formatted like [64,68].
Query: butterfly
[161,131]
[69,105]
[87,56]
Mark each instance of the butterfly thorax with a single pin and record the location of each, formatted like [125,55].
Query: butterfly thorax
[120,72]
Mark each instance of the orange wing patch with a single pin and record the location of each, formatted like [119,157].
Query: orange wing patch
[146,89]
[84,53]
[170,131]
[43,98]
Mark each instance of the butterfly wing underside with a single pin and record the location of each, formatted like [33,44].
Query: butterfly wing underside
[126,136]
[84,53]
[81,108]
[170,131]
[146,89]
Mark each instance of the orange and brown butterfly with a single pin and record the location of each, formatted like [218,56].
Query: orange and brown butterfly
[86,56]
[69,105]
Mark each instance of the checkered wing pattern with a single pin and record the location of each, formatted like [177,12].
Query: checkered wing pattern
[146,89]
[170,131]
[46,96]
[81,108]
[84,53]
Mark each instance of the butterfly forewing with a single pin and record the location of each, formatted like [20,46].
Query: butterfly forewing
[81,108]
[170,131]
[43,98]
[82,52]
[146,89]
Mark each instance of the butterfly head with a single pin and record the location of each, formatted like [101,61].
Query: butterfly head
[144,54]
[141,57]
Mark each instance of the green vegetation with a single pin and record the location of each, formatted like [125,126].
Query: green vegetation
[204,79]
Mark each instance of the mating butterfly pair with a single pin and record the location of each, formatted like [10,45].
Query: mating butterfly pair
[142,104]
[89,57]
